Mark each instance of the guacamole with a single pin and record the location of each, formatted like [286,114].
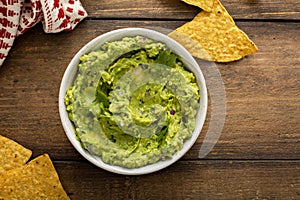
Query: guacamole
[133,102]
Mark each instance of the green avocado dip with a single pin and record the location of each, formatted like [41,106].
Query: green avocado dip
[133,102]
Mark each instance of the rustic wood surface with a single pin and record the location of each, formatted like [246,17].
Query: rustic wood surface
[174,9]
[258,153]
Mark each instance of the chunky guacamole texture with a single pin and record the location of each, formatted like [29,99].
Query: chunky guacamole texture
[133,103]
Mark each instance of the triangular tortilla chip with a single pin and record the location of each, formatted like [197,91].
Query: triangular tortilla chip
[35,180]
[206,5]
[12,154]
[214,36]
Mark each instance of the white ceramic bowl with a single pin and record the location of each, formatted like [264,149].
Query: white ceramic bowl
[70,75]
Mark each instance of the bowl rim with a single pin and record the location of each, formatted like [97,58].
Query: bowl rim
[70,74]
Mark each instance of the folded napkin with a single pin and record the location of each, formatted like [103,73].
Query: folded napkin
[17,16]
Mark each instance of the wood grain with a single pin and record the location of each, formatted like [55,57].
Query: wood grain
[176,9]
[258,153]
[186,180]
[263,96]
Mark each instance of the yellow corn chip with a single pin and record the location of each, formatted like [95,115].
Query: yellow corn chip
[35,180]
[12,154]
[214,36]
[203,4]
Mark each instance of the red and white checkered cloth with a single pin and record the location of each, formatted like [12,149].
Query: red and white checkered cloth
[17,16]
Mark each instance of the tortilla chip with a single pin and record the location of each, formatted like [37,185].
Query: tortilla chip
[35,180]
[12,154]
[206,5]
[214,36]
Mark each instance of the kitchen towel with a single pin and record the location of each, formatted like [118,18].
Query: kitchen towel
[17,16]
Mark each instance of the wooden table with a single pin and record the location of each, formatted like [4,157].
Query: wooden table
[258,153]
